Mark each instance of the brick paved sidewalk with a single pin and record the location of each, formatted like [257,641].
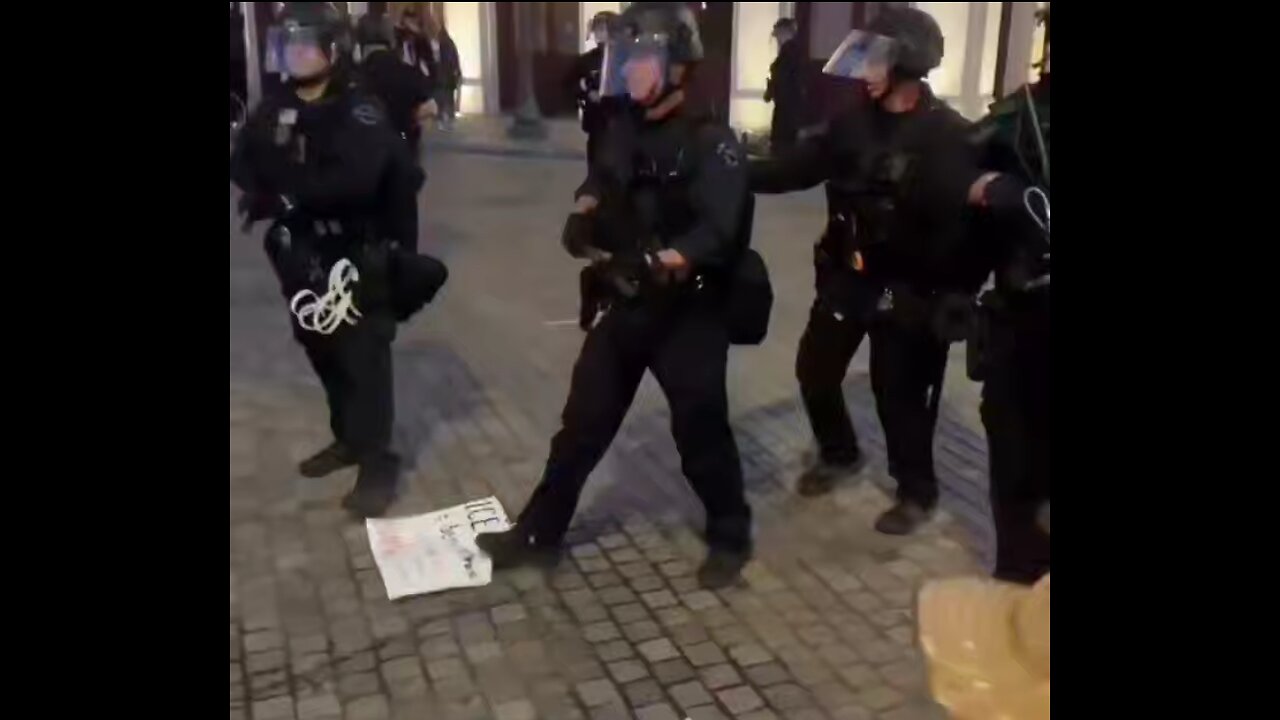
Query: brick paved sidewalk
[822,627]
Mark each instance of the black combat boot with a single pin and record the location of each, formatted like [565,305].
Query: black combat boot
[517,547]
[723,567]
[375,489]
[327,461]
[821,477]
[903,518]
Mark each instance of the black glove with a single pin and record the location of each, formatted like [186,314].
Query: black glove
[578,234]
[1009,202]
[634,263]
[1004,195]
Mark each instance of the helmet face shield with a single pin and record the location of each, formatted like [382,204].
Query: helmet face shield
[300,49]
[863,56]
[635,66]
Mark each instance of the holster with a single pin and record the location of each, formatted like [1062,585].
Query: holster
[978,345]
[373,258]
[294,257]
[990,339]
[1003,326]
[592,297]
[840,288]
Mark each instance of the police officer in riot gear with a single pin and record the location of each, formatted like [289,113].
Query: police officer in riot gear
[904,161]
[786,88]
[322,163]
[845,298]
[662,210]
[404,91]
[585,79]
[1009,351]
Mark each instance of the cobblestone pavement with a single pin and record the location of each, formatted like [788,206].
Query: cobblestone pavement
[487,135]
[822,627]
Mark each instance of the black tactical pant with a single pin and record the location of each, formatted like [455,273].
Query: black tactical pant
[593,124]
[1018,419]
[593,143]
[837,324]
[907,366]
[686,349]
[353,362]
[783,130]
[354,366]
[413,137]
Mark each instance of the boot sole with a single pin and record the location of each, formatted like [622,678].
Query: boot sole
[844,475]
[730,581]
[908,531]
[357,510]
[317,474]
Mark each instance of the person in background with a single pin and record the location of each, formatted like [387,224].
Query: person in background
[449,79]
[405,93]
[412,44]
[786,88]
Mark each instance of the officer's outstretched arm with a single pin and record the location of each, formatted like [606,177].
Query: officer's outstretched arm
[350,177]
[719,190]
[805,166]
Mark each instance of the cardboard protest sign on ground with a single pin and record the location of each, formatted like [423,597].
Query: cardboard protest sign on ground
[436,551]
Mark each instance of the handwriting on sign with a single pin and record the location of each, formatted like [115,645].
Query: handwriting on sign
[435,551]
[483,514]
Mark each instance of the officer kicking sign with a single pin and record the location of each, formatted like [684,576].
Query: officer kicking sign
[436,551]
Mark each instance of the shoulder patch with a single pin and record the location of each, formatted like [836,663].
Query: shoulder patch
[728,153]
[367,114]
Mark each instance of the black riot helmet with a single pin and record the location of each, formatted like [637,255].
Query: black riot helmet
[673,22]
[917,36]
[311,34]
[785,27]
[899,44]
[652,52]
[606,20]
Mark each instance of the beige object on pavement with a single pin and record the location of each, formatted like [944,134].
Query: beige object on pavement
[987,648]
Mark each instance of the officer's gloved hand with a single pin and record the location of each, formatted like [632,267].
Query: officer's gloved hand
[577,234]
[634,263]
[1003,194]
